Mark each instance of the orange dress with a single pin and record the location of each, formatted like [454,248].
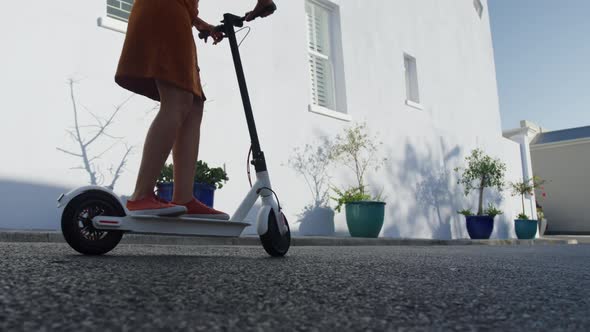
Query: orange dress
[159,45]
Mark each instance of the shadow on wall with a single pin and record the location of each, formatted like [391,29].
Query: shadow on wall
[29,206]
[425,196]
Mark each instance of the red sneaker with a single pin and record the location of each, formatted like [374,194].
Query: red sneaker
[154,206]
[196,209]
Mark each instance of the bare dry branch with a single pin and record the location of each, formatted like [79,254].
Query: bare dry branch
[68,152]
[113,137]
[93,170]
[105,151]
[120,167]
[99,120]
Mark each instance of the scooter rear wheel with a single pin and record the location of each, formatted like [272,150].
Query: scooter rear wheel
[273,242]
[76,223]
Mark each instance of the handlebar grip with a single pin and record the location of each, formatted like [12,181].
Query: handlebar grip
[267,10]
[270,8]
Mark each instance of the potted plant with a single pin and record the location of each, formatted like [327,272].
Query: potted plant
[542,220]
[482,172]
[206,181]
[165,182]
[525,227]
[356,150]
[541,194]
[312,164]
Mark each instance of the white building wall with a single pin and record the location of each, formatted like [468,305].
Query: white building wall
[565,167]
[49,42]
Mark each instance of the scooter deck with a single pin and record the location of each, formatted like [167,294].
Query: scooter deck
[171,225]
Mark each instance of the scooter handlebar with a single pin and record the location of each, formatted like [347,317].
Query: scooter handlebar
[267,10]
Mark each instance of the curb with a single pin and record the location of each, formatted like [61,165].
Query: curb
[56,237]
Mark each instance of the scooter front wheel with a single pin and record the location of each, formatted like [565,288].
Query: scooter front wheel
[76,223]
[273,242]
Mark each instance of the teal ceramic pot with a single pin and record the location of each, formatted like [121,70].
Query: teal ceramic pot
[525,229]
[365,218]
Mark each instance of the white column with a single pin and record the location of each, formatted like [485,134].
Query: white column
[527,169]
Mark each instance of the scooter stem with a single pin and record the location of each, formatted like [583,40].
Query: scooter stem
[258,156]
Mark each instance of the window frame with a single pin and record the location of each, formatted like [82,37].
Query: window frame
[334,60]
[411,81]
[111,21]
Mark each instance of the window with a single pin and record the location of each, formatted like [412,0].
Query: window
[478,7]
[117,15]
[119,9]
[321,62]
[411,73]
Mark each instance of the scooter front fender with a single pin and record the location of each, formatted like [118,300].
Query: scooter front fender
[64,199]
[262,219]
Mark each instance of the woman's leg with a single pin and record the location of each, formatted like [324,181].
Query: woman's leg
[175,104]
[185,153]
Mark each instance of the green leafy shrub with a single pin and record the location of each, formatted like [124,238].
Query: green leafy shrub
[466,212]
[358,151]
[166,174]
[349,196]
[492,211]
[215,177]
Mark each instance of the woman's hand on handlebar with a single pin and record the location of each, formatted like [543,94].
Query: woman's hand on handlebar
[209,30]
[261,10]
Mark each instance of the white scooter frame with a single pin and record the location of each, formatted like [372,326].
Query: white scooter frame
[84,228]
[190,226]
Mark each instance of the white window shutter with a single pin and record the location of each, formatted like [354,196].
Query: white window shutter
[320,60]
[119,9]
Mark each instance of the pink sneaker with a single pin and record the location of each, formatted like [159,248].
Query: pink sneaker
[154,206]
[196,209]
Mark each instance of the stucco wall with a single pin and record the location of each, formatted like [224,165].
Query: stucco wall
[51,42]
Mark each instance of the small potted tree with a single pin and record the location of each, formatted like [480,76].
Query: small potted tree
[357,150]
[312,164]
[206,181]
[482,172]
[525,227]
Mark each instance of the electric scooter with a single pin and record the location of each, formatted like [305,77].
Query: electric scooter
[94,219]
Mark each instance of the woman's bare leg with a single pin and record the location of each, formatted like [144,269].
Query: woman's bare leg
[185,153]
[175,104]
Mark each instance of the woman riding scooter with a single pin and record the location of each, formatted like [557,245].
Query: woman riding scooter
[159,61]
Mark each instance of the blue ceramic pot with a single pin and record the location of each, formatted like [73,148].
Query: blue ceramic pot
[165,190]
[204,193]
[480,227]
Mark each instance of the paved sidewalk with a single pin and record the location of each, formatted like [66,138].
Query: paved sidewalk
[56,237]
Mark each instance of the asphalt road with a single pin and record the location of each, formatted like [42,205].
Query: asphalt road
[47,286]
